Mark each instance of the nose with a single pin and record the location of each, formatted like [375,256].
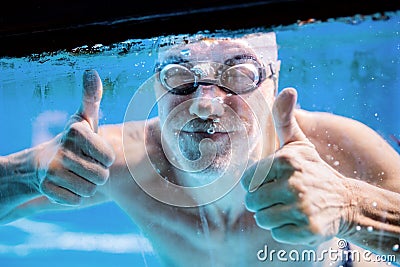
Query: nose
[208,102]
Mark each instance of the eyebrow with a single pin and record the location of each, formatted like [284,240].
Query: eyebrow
[242,56]
[173,59]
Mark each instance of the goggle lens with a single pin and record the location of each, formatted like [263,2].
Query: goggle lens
[240,78]
[237,79]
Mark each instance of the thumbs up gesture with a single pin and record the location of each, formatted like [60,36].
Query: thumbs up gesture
[72,165]
[300,199]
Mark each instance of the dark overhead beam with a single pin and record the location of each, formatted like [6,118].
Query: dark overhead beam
[38,26]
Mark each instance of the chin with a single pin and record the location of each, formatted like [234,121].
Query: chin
[232,152]
[215,170]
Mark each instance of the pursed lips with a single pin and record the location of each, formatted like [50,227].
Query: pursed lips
[203,135]
[203,126]
[204,129]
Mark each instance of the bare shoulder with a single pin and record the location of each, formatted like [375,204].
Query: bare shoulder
[133,143]
[130,136]
[351,147]
[315,124]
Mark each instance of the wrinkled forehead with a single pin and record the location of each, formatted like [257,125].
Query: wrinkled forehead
[261,46]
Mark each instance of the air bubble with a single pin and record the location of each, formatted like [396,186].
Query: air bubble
[395,247]
[185,52]
[370,228]
[358,228]
[374,204]
[211,129]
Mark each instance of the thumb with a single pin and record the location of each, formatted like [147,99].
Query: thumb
[283,112]
[91,97]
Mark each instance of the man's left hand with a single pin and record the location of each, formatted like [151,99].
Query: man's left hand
[302,199]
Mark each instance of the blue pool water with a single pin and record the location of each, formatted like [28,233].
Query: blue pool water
[349,67]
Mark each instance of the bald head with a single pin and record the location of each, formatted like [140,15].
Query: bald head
[261,46]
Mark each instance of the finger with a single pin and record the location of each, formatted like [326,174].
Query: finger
[91,97]
[283,112]
[58,194]
[265,171]
[293,234]
[256,174]
[81,138]
[84,167]
[71,181]
[268,195]
[277,216]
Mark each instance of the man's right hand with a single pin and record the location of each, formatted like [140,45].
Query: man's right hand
[79,159]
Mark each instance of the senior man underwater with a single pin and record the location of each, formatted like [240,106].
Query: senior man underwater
[226,168]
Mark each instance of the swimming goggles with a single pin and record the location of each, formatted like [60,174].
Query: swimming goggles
[185,78]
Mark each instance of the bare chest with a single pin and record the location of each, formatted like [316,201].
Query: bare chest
[210,237]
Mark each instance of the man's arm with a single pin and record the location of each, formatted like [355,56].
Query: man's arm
[352,148]
[304,200]
[372,170]
[19,187]
[18,180]
[374,221]
[66,170]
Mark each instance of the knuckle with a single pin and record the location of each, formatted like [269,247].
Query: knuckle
[288,158]
[96,173]
[278,234]
[249,202]
[260,219]
[89,189]
[51,171]
[61,156]
[45,185]
[283,156]
[296,187]
[307,210]
[109,157]
[71,200]
[102,176]
[314,226]
[73,131]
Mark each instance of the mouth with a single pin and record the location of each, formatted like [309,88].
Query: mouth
[204,134]
[205,127]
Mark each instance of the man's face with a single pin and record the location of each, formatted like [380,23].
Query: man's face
[237,124]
